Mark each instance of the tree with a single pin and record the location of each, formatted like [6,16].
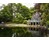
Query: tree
[22,13]
[6,14]
[45,12]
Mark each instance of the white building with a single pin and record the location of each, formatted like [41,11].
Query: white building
[35,20]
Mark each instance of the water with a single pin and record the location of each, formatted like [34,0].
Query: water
[14,34]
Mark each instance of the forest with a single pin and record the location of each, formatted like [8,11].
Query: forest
[19,14]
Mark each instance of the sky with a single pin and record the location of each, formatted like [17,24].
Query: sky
[28,3]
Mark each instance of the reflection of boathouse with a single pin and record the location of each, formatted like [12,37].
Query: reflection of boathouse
[35,20]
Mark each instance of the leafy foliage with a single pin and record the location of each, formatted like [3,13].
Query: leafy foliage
[45,13]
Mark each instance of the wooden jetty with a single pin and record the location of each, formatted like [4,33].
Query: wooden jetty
[21,25]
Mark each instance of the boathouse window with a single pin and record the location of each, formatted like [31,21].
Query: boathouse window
[31,23]
[37,23]
[34,23]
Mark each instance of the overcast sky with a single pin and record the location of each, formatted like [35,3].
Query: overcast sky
[28,3]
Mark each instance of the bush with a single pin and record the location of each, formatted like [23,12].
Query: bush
[47,23]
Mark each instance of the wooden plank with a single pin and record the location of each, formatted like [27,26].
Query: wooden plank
[19,25]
